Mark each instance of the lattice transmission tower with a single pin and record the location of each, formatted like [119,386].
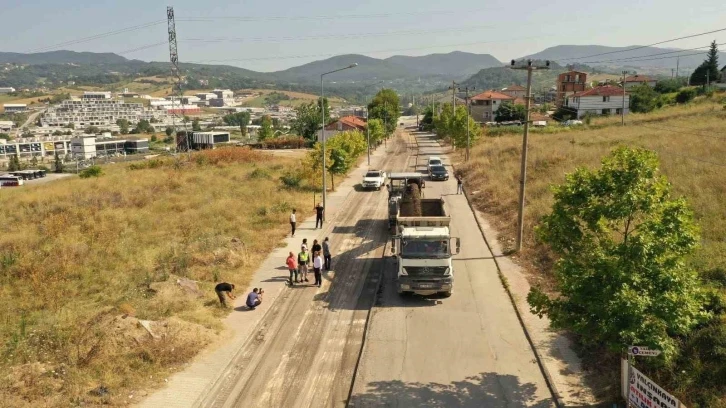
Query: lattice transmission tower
[182,142]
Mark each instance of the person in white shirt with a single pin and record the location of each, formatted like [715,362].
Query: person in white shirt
[293,221]
[317,267]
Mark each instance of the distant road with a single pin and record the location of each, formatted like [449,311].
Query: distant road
[30,120]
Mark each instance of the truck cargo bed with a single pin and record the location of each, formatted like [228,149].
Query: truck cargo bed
[433,214]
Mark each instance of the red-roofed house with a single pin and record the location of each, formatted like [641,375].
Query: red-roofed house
[515,91]
[343,124]
[602,100]
[484,106]
[636,80]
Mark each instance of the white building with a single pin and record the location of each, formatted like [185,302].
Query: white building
[223,93]
[6,90]
[15,107]
[602,100]
[6,125]
[206,96]
[96,95]
[636,80]
[84,146]
[96,111]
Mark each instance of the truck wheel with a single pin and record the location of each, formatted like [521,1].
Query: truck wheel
[445,294]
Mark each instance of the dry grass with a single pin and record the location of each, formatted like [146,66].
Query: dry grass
[77,256]
[691,143]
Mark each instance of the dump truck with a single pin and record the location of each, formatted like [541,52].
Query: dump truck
[423,247]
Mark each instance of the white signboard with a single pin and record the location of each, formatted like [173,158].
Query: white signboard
[642,351]
[644,393]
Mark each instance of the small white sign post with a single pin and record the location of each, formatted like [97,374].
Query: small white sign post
[642,351]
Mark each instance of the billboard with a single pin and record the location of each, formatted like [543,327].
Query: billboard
[644,393]
[48,146]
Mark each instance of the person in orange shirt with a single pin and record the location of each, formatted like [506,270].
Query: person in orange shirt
[292,267]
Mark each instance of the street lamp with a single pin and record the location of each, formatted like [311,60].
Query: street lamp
[368,128]
[322,132]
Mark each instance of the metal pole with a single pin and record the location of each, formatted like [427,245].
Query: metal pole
[368,131]
[523,170]
[322,132]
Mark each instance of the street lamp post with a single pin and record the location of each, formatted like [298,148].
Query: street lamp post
[322,132]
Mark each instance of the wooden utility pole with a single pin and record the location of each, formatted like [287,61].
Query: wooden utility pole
[523,169]
[622,110]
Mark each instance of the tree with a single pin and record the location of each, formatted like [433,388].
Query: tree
[385,106]
[195,126]
[91,130]
[377,132]
[308,118]
[708,70]
[509,112]
[265,129]
[644,99]
[685,95]
[169,131]
[427,122]
[58,165]
[339,164]
[241,119]
[14,163]
[123,125]
[143,127]
[452,125]
[665,86]
[622,241]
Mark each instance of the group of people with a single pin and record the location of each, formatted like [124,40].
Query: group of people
[224,290]
[318,256]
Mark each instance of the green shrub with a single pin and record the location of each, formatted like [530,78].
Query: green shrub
[259,173]
[291,179]
[93,171]
[685,95]
[147,164]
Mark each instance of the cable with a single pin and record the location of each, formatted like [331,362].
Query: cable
[362,52]
[97,36]
[651,55]
[143,47]
[334,36]
[645,46]
[328,17]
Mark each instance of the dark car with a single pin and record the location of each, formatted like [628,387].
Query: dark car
[438,173]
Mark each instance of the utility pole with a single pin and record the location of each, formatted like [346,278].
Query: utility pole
[678,62]
[468,115]
[523,170]
[453,94]
[622,110]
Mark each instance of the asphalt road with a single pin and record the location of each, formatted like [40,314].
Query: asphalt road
[468,350]
[313,337]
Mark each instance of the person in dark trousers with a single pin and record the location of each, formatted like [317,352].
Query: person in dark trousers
[319,211]
[293,221]
[316,247]
[317,267]
[223,289]
[291,263]
[326,253]
[459,184]
[303,258]
[254,299]
[304,244]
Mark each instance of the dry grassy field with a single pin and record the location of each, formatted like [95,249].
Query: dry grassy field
[691,143]
[84,261]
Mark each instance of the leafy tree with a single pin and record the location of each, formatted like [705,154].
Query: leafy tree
[665,86]
[709,69]
[266,131]
[123,125]
[93,171]
[58,98]
[58,164]
[339,164]
[452,125]
[622,240]
[385,106]
[34,162]
[351,143]
[144,127]
[14,164]
[686,95]
[427,122]
[308,117]
[644,99]
[377,132]
[91,130]
[169,131]
[154,138]
[195,126]
[241,119]
[509,112]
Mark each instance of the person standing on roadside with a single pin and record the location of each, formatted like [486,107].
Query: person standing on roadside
[302,264]
[293,221]
[459,184]
[319,211]
[292,267]
[317,267]
[316,247]
[326,253]
[304,244]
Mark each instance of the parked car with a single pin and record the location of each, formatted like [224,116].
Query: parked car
[434,161]
[539,123]
[374,179]
[572,122]
[438,173]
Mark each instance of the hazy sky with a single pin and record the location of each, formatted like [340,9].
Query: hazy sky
[273,35]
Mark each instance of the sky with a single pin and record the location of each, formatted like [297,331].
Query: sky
[275,35]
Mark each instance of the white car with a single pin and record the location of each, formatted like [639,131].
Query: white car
[434,161]
[374,179]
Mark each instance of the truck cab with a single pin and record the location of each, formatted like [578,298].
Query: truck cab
[424,260]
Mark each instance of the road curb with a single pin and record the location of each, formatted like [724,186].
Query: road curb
[557,397]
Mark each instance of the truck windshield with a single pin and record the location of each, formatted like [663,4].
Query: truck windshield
[372,174]
[425,248]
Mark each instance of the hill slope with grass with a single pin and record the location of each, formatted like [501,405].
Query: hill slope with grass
[690,141]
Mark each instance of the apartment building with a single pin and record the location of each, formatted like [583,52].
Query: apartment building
[5,90]
[97,110]
[485,105]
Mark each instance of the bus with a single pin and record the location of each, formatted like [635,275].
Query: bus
[8,180]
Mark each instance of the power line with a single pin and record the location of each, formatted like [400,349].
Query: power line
[645,46]
[328,17]
[334,36]
[98,36]
[143,47]
[652,55]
